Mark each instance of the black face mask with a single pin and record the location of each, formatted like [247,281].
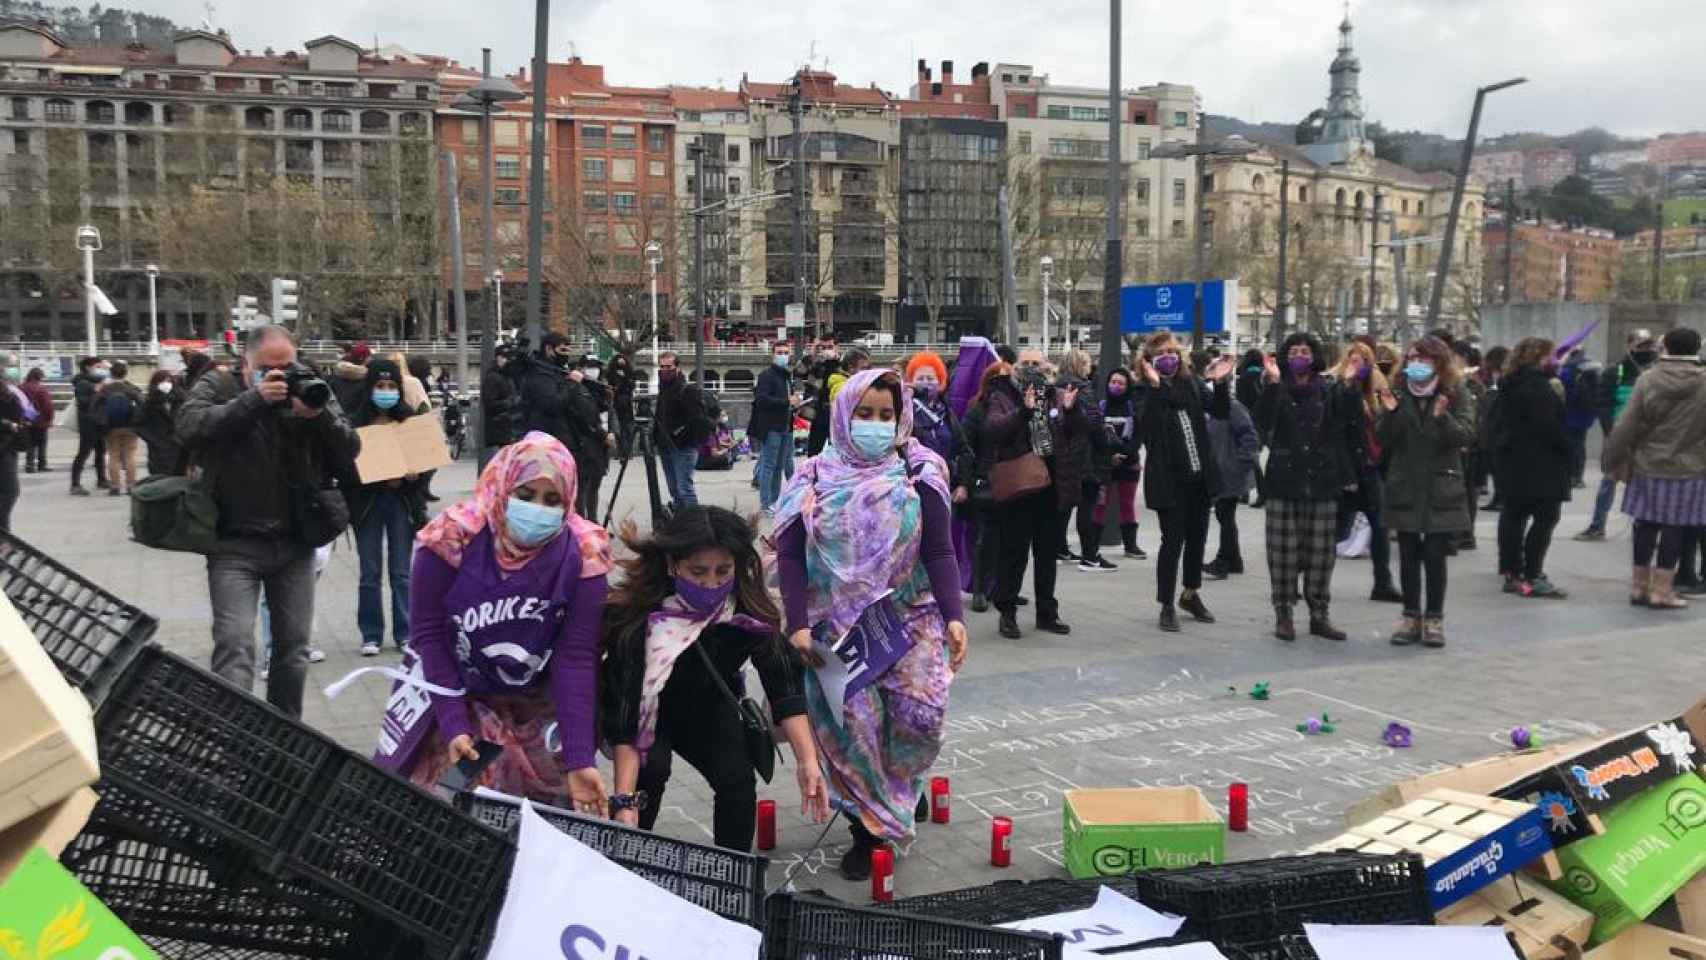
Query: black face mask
[1644,357]
[561,359]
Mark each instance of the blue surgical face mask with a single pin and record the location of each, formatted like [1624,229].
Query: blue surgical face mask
[1419,370]
[386,399]
[531,524]
[100,373]
[781,360]
[14,374]
[873,438]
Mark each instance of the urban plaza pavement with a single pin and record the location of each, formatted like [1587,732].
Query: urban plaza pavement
[1117,703]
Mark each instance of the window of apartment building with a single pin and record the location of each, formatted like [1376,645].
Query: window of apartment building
[1405,204]
[1178,231]
[734,186]
[1007,78]
[511,195]
[623,138]
[20,141]
[99,111]
[593,168]
[656,168]
[1025,142]
[337,153]
[20,108]
[337,121]
[506,133]
[622,170]
[1078,148]
[657,202]
[298,120]
[1142,227]
[656,141]
[470,130]
[734,153]
[1181,118]
[1143,190]
[1179,191]
[507,168]
[1208,183]
[734,303]
[412,125]
[340,89]
[177,114]
[627,236]
[1139,117]
[1143,148]
[1302,194]
[1421,207]
[624,202]
[1059,112]
[626,263]
[594,201]
[1021,110]
[592,136]
[423,91]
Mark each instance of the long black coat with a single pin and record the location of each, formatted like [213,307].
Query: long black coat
[1167,477]
[1310,465]
[1530,439]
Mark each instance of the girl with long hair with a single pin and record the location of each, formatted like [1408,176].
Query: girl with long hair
[1529,442]
[871,596]
[1119,420]
[503,635]
[1426,420]
[155,424]
[986,526]
[697,581]
[1359,371]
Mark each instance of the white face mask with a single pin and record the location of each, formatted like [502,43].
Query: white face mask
[591,373]
[166,387]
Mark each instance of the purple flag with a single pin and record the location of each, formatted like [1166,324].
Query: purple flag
[975,357]
[1573,339]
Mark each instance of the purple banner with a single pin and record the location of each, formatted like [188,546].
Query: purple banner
[877,641]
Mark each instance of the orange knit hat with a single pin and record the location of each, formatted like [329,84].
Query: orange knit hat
[927,359]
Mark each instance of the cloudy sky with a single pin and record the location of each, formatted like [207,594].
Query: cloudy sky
[1622,64]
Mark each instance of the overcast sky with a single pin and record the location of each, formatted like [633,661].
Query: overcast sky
[1622,64]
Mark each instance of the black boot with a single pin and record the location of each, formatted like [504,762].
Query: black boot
[856,862]
[1128,533]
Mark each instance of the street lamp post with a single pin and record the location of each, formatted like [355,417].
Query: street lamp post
[1373,257]
[1444,268]
[1047,265]
[88,241]
[536,177]
[1066,320]
[498,299]
[654,258]
[154,308]
[1233,146]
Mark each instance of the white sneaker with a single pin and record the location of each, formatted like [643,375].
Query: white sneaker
[316,655]
[370,649]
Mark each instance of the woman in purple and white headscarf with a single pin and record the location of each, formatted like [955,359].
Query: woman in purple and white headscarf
[871,599]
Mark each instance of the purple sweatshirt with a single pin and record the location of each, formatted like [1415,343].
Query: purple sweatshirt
[486,634]
[935,549]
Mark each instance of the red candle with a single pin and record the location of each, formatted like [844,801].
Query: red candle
[766,824]
[882,874]
[1001,842]
[1238,807]
[939,799]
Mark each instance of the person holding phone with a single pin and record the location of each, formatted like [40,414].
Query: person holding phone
[871,595]
[691,611]
[503,635]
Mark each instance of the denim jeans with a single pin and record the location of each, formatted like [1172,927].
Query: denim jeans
[1602,502]
[678,467]
[775,461]
[384,536]
[322,556]
[237,573]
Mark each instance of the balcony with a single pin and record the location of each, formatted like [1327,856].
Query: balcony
[139,114]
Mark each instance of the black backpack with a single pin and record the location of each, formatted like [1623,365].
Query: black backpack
[116,410]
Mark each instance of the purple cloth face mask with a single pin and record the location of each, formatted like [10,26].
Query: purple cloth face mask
[1116,389]
[1167,364]
[702,599]
[1300,366]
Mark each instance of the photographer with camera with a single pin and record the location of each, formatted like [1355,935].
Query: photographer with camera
[499,400]
[267,441]
[553,401]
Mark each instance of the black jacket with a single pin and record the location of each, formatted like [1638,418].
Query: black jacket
[771,405]
[1529,438]
[14,432]
[1169,473]
[83,389]
[255,451]
[156,425]
[552,403]
[691,687]
[499,407]
[682,422]
[1310,465]
[621,380]
[1123,438]
[593,457]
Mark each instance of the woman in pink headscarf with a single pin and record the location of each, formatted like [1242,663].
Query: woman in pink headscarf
[503,642]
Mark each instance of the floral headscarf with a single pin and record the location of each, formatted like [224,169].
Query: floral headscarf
[862,516]
[533,456]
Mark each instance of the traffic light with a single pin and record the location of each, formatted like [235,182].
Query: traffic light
[283,300]
[243,314]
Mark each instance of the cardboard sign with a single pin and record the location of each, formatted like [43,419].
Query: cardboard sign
[1652,846]
[1112,921]
[393,450]
[1511,847]
[1110,833]
[565,900]
[45,912]
[1352,942]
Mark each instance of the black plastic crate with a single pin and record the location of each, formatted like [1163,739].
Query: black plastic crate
[726,882]
[230,766]
[1006,901]
[808,928]
[89,633]
[1252,904]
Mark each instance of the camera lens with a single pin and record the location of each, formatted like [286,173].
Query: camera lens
[315,393]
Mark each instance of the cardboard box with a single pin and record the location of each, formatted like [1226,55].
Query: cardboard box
[1546,926]
[393,450]
[1643,942]
[1467,841]
[52,830]
[48,751]
[1484,776]
[45,912]
[1652,846]
[1113,832]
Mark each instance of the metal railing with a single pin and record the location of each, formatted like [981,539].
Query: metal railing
[722,353]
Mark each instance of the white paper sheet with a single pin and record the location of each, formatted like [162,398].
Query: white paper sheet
[1114,920]
[1334,942]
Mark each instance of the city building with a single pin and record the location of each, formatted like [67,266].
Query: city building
[1543,168]
[1339,200]
[1497,167]
[1548,263]
[1677,150]
[610,174]
[1057,174]
[717,123]
[1615,160]
[118,136]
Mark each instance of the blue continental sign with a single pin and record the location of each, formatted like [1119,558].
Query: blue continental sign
[1168,306]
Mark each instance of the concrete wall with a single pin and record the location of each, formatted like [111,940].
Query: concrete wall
[1506,324]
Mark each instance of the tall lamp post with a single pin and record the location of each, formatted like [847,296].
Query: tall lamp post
[1066,320]
[154,308]
[481,97]
[654,259]
[498,299]
[1233,146]
[1444,268]
[1047,269]
[89,241]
